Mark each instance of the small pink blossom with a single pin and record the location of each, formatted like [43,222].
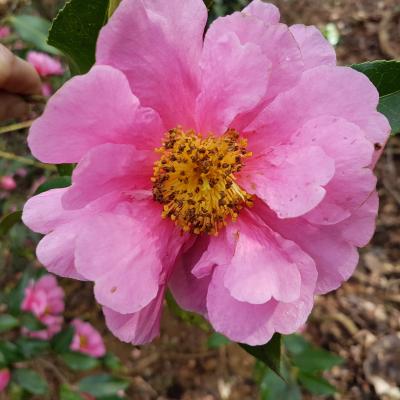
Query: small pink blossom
[4,32]
[45,299]
[262,186]
[44,64]
[7,182]
[4,378]
[87,339]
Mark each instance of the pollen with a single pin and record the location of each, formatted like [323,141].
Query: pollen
[194,179]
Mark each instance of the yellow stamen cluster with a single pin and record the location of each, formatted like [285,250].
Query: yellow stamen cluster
[195,179]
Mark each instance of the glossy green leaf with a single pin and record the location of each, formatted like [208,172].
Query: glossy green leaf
[217,340]
[9,352]
[102,385]
[54,183]
[7,222]
[62,341]
[389,105]
[14,298]
[385,75]
[79,362]
[111,361]
[30,322]
[33,30]
[208,3]
[316,384]
[270,353]
[66,393]
[309,358]
[272,387]
[31,348]
[75,30]
[30,380]
[8,322]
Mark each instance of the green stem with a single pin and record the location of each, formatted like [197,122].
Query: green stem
[27,161]
[15,127]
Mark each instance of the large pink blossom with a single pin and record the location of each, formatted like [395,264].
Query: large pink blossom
[87,339]
[246,223]
[44,299]
[44,64]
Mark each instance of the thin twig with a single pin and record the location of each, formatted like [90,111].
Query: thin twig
[16,127]
[26,161]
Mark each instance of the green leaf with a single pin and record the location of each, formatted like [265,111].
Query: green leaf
[102,385]
[15,297]
[7,222]
[8,322]
[33,30]
[67,393]
[208,3]
[112,362]
[54,183]
[75,30]
[217,340]
[270,353]
[385,75]
[10,353]
[272,387]
[389,105]
[112,6]
[30,381]
[315,384]
[62,341]
[29,321]
[309,358]
[30,348]
[65,169]
[79,362]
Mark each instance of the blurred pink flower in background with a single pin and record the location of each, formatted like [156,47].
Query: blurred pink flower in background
[44,64]
[4,378]
[7,182]
[4,32]
[87,339]
[261,188]
[45,299]
[47,89]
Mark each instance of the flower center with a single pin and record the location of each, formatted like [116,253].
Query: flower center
[195,179]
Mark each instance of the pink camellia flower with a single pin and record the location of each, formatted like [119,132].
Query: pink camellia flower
[4,378]
[87,339]
[260,188]
[45,299]
[4,32]
[47,89]
[44,64]
[7,182]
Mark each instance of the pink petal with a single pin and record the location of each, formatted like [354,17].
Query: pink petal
[137,328]
[354,99]
[190,292]
[240,321]
[315,49]
[287,179]
[56,250]
[89,110]
[159,53]
[108,168]
[276,43]
[118,254]
[224,92]
[267,12]
[353,180]
[264,265]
